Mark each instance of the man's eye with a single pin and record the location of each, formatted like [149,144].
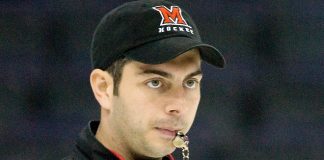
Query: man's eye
[191,84]
[154,84]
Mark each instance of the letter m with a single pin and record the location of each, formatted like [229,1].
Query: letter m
[171,16]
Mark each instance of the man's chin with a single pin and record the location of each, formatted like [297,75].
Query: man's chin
[162,149]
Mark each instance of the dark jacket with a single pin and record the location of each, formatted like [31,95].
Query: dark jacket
[89,148]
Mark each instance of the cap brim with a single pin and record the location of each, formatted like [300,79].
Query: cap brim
[163,50]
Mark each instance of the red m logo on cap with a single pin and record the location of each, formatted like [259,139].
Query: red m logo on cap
[171,16]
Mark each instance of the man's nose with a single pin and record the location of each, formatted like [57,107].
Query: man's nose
[176,102]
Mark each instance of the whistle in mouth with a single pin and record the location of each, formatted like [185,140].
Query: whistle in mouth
[181,140]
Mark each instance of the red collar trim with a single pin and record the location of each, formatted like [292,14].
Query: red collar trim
[171,157]
[117,155]
[122,158]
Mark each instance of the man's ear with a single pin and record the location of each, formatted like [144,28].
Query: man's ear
[102,86]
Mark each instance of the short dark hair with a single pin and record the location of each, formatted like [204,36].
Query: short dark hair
[116,71]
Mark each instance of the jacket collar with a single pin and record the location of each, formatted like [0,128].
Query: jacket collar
[91,148]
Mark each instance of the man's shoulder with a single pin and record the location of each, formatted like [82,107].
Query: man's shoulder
[68,158]
[71,157]
[75,156]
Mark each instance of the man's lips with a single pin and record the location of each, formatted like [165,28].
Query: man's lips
[167,132]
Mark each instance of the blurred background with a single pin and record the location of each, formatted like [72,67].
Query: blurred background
[268,103]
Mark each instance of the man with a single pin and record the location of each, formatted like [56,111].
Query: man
[146,57]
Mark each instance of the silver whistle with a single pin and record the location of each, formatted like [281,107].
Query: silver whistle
[182,141]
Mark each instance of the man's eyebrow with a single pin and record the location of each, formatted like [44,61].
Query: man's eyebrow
[168,75]
[198,72]
[158,72]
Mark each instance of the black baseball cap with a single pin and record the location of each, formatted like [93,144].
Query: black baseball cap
[148,31]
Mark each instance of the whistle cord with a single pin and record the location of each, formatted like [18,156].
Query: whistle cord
[185,153]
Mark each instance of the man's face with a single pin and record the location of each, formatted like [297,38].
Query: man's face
[154,102]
